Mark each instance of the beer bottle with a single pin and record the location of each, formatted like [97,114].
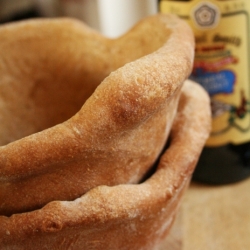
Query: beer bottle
[222,67]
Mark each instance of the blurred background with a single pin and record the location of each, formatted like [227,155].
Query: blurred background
[110,17]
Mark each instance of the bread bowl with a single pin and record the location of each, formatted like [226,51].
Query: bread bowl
[61,188]
[79,110]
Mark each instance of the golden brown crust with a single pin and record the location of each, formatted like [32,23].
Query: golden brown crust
[124,217]
[49,68]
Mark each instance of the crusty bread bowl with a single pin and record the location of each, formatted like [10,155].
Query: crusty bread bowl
[84,124]
[78,110]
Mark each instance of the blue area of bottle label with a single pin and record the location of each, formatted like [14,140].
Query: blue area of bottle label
[215,82]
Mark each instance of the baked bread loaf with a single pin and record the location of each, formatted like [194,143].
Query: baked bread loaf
[127,216]
[78,110]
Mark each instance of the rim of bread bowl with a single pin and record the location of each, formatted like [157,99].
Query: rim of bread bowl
[105,205]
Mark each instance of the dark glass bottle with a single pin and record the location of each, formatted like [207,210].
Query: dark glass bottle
[221,66]
[224,164]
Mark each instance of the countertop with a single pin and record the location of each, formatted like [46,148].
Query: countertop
[212,218]
[216,217]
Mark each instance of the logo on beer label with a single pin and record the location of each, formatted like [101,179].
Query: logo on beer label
[206,15]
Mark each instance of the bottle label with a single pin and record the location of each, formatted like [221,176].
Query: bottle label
[222,62]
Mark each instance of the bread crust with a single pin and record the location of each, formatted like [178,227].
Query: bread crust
[79,110]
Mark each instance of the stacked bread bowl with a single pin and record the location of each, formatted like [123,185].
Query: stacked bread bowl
[83,121]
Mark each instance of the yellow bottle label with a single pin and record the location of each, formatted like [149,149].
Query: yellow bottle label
[222,62]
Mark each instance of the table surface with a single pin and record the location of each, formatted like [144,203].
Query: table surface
[216,217]
[213,218]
